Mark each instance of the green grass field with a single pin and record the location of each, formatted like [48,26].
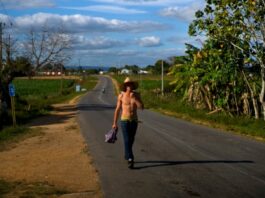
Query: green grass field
[173,105]
[28,87]
[34,98]
[150,83]
[37,95]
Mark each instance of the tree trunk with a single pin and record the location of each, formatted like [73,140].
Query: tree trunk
[207,98]
[255,106]
[254,100]
[190,93]
[246,106]
[262,92]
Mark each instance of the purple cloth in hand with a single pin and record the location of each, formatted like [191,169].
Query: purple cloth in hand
[111,136]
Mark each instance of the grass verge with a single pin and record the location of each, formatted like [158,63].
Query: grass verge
[25,190]
[36,96]
[12,135]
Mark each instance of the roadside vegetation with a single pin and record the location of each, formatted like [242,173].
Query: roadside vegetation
[11,135]
[172,103]
[22,189]
[34,97]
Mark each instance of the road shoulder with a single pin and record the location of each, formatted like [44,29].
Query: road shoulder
[58,157]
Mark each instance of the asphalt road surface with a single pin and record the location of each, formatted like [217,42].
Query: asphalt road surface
[173,158]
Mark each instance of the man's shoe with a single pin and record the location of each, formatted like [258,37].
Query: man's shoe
[130,163]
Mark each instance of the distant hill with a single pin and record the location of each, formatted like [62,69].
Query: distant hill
[88,67]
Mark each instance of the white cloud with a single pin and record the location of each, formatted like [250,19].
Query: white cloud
[6,19]
[108,9]
[19,4]
[121,57]
[145,2]
[100,42]
[150,41]
[112,54]
[185,13]
[83,24]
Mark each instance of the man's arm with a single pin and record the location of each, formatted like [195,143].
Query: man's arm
[138,100]
[117,112]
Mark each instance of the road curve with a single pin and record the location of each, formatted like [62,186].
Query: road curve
[174,158]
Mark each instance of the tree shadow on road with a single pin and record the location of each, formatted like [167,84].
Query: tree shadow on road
[95,107]
[160,163]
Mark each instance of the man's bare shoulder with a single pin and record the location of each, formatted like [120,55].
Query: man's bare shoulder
[136,95]
[120,96]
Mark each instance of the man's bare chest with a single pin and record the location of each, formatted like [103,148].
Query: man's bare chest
[127,100]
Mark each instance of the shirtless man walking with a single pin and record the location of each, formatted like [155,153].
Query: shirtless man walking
[128,101]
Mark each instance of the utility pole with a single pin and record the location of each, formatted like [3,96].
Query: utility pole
[61,88]
[162,77]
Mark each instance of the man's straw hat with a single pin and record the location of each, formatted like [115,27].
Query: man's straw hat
[128,81]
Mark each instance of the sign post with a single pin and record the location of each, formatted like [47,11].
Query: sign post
[78,88]
[162,77]
[12,94]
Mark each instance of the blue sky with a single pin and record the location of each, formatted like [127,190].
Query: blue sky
[110,32]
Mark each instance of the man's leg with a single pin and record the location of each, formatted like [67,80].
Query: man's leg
[132,132]
[125,133]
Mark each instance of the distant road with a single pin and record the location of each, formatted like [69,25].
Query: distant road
[174,158]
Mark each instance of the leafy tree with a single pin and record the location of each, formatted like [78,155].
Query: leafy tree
[23,66]
[92,71]
[181,71]
[158,66]
[149,68]
[113,69]
[177,60]
[234,47]
[134,68]
[7,73]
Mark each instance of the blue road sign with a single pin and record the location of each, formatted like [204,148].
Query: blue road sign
[11,88]
[77,88]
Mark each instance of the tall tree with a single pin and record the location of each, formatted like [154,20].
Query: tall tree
[47,46]
[239,28]
[7,70]
[23,66]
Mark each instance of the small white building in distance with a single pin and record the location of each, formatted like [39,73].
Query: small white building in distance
[143,72]
[126,71]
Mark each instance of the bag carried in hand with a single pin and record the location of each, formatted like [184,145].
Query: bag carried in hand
[111,136]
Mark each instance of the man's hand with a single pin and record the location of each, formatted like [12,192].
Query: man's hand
[114,126]
[137,97]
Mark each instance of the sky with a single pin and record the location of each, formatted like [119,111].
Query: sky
[110,32]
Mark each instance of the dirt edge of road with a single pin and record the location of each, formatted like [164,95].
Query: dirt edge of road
[55,163]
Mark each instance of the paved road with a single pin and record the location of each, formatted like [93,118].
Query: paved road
[174,158]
